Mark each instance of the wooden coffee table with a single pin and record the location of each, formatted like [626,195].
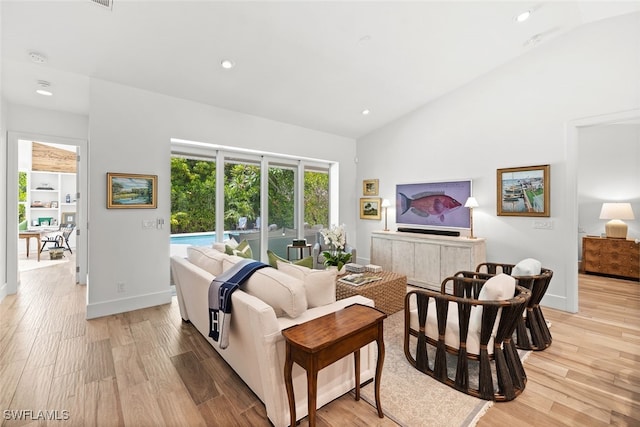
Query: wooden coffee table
[387,293]
[319,342]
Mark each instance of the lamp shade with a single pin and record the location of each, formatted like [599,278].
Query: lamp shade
[616,229]
[616,211]
[471,203]
[385,203]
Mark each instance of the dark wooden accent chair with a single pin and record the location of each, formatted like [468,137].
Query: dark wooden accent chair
[532,332]
[464,340]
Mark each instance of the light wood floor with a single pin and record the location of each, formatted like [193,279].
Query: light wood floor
[147,368]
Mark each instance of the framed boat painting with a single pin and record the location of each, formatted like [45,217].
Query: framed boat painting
[523,191]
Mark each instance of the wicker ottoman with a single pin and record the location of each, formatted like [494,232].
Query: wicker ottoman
[387,293]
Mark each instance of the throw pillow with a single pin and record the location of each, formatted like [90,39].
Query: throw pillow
[319,285]
[206,258]
[243,249]
[499,287]
[527,267]
[222,246]
[274,258]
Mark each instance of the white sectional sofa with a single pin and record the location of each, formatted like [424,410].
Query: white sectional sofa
[269,302]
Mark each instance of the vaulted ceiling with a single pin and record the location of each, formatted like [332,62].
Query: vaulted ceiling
[313,64]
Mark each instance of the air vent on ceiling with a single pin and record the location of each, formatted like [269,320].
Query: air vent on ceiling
[108,4]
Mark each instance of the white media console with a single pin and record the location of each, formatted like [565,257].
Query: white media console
[425,259]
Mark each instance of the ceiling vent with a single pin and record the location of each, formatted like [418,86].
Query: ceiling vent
[107,4]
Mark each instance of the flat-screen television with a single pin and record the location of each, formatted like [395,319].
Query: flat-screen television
[433,205]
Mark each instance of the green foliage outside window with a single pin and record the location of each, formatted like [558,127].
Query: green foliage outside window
[316,198]
[22,196]
[193,189]
[241,193]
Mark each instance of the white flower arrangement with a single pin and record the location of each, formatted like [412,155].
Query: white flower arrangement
[336,237]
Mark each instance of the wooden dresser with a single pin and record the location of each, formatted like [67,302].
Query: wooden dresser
[614,257]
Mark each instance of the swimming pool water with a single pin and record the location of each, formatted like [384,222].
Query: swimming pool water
[200,239]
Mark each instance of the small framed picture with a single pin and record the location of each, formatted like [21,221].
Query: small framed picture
[370,208]
[523,191]
[69,218]
[131,191]
[54,205]
[370,187]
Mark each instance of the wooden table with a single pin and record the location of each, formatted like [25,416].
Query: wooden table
[387,293]
[28,235]
[319,342]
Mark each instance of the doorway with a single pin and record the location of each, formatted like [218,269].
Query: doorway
[574,129]
[48,189]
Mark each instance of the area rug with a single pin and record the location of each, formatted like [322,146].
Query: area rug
[32,264]
[411,398]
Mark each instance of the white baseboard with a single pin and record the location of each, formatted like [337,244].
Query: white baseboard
[123,305]
[558,302]
[3,291]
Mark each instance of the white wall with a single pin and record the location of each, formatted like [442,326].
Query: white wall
[3,195]
[24,119]
[513,116]
[608,171]
[130,131]
[3,182]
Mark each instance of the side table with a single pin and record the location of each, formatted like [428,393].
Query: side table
[28,235]
[300,249]
[319,342]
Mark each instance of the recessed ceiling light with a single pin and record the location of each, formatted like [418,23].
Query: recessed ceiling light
[366,112]
[523,16]
[227,64]
[43,88]
[37,57]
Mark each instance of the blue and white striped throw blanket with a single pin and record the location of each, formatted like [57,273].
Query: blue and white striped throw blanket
[220,292]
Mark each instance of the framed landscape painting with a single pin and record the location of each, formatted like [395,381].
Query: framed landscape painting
[370,208]
[523,191]
[131,191]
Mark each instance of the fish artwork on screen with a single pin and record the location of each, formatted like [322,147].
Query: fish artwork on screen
[433,204]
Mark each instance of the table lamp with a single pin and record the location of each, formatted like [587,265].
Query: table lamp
[471,203]
[616,212]
[385,204]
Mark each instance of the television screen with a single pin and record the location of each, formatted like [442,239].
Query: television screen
[433,204]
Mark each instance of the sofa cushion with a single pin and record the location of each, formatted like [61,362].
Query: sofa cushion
[284,293]
[527,267]
[206,258]
[319,285]
[274,258]
[452,331]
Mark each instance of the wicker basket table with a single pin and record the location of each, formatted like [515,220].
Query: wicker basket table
[388,293]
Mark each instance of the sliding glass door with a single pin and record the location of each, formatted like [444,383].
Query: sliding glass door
[266,199]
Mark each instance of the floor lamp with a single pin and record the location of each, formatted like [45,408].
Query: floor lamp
[471,203]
